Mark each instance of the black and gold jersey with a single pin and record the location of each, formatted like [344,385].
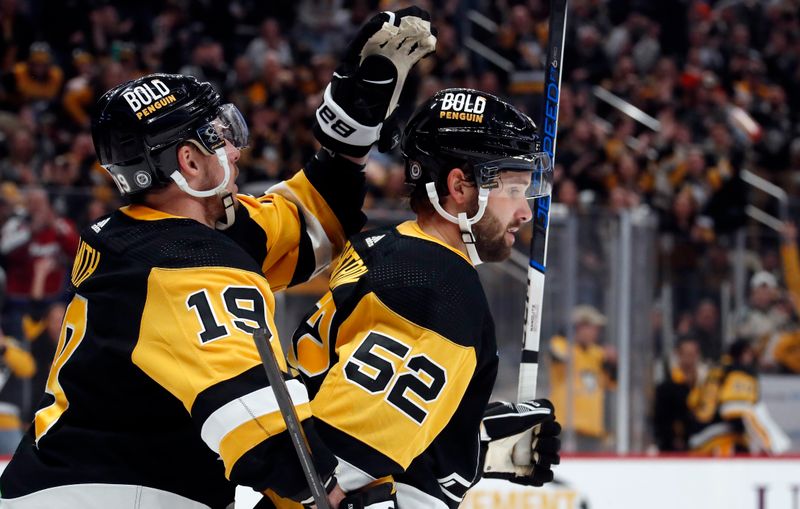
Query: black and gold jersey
[400,359]
[723,407]
[592,377]
[157,383]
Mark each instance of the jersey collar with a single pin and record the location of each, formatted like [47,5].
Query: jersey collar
[145,213]
[413,229]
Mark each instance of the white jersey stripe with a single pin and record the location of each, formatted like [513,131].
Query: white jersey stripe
[323,249]
[246,408]
[409,496]
[350,477]
[101,496]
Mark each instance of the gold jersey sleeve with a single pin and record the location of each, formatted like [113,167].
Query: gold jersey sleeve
[299,225]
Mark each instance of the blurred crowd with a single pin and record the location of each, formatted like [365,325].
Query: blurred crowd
[718,77]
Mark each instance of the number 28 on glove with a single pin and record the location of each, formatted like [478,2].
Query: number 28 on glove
[358,105]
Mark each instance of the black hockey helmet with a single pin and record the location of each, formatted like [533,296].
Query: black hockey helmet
[472,130]
[137,125]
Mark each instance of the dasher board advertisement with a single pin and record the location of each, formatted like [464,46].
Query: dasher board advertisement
[654,483]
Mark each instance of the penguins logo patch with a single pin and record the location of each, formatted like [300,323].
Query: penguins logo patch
[142,178]
[415,170]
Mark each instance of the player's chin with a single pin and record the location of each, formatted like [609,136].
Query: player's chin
[496,251]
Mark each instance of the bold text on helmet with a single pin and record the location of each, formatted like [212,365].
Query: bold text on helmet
[463,102]
[145,94]
[155,106]
[456,115]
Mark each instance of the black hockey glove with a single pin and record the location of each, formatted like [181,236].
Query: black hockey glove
[381,496]
[531,426]
[366,86]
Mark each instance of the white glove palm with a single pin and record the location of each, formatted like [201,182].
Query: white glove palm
[530,426]
[367,84]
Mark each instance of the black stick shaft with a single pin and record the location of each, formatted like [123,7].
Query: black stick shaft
[298,436]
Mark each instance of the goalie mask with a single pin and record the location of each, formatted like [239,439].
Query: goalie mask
[485,137]
[137,127]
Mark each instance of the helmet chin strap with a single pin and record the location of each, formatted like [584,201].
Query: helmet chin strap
[464,223]
[220,190]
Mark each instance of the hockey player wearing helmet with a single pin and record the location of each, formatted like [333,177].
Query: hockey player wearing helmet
[157,397]
[400,355]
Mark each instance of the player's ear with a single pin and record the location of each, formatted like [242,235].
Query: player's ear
[459,187]
[188,160]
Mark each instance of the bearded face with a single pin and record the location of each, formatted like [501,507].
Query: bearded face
[494,238]
[507,209]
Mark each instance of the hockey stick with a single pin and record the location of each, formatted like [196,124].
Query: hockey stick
[298,436]
[529,364]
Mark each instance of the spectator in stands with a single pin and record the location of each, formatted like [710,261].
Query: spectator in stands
[37,80]
[727,410]
[26,240]
[685,235]
[208,64]
[269,39]
[71,172]
[764,316]
[706,329]
[105,28]
[17,34]
[23,166]
[594,369]
[79,93]
[671,416]
[16,365]
[586,62]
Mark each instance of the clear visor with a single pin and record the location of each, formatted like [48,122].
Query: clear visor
[526,176]
[229,125]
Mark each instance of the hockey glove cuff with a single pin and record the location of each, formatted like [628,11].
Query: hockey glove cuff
[366,86]
[380,496]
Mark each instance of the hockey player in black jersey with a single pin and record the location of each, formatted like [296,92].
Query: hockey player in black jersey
[400,355]
[157,397]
